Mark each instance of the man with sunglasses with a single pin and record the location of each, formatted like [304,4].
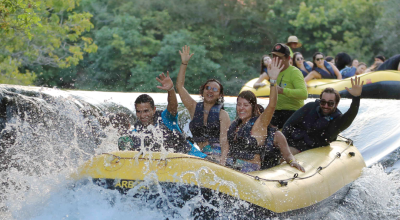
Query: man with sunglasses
[150,120]
[319,123]
[292,90]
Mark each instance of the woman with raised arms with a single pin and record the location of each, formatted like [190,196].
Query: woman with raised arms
[209,121]
[251,139]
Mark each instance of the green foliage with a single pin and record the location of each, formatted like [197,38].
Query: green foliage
[139,39]
[337,26]
[41,33]
[11,75]
[386,28]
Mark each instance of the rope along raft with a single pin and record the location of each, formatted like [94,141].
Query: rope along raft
[282,182]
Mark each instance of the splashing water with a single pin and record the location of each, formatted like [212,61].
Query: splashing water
[46,134]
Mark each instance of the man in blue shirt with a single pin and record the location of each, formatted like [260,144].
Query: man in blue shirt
[150,120]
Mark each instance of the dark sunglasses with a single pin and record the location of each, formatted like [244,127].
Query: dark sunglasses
[318,59]
[330,103]
[213,88]
[299,58]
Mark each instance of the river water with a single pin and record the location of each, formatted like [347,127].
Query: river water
[47,133]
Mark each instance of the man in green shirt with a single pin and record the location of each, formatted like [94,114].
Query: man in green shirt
[292,90]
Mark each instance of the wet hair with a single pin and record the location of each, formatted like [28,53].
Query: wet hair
[221,90]
[333,91]
[120,121]
[252,99]
[381,58]
[262,64]
[260,108]
[342,60]
[313,58]
[144,98]
[328,58]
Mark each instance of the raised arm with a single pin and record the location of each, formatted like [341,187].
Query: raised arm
[260,126]
[187,100]
[223,135]
[345,120]
[168,85]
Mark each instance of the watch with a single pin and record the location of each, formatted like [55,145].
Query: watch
[272,82]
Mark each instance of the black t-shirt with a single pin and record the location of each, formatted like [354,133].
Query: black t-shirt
[391,64]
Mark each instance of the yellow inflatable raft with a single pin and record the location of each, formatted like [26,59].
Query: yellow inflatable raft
[377,85]
[278,189]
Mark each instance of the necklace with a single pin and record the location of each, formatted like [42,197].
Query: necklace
[205,111]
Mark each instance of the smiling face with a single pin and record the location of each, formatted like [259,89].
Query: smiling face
[328,104]
[145,113]
[211,92]
[299,60]
[267,61]
[244,109]
[319,60]
[361,69]
[355,63]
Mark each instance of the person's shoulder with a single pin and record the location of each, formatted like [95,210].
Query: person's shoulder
[294,70]
[311,104]
[224,114]
[295,73]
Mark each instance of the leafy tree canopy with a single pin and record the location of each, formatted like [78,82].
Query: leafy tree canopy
[41,33]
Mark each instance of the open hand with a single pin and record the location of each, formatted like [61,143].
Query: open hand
[185,54]
[297,165]
[275,68]
[166,82]
[356,87]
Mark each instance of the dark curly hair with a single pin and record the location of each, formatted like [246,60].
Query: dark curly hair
[221,89]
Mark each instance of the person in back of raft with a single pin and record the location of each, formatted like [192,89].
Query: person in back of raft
[209,121]
[393,63]
[250,137]
[148,119]
[322,69]
[265,62]
[318,123]
[304,66]
[290,84]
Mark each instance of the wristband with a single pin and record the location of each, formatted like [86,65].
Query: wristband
[184,64]
[272,82]
[171,88]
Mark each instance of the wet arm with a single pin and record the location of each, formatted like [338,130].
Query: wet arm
[187,100]
[344,121]
[172,106]
[223,136]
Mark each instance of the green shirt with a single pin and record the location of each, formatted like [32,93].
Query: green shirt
[294,89]
[291,52]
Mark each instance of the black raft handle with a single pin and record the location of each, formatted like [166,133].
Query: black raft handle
[352,154]
[283,183]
